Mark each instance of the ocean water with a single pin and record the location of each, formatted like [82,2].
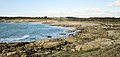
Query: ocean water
[28,32]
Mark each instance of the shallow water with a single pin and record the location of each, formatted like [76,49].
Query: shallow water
[28,32]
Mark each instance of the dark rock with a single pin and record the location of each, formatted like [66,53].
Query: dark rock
[49,36]
[62,33]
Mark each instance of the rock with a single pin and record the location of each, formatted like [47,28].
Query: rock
[49,36]
[69,31]
[98,43]
[52,44]
[65,48]
[73,50]
[1,55]
[70,40]
[62,33]
[96,31]
[71,35]
[117,41]
[40,43]
[47,53]
[31,44]
[23,55]
[10,53]
[46,36]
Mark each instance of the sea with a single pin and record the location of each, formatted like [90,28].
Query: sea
[29,32]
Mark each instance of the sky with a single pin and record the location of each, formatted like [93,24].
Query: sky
[60,8]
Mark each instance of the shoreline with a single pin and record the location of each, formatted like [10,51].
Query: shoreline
[67,32]
[95,39]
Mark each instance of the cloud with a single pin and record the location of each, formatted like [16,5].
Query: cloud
[115,3]
[75,12]
[59,13]
[88,12]
[93,10]
[113,12]
[53,13]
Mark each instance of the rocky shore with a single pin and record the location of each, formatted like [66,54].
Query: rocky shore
[95,39]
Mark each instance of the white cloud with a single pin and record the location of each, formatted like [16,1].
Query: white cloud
[113,12]
[53,13]
[86,12]
[115,3]
[71,12]
[93,10]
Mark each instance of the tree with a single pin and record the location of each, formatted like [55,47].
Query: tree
[45,16]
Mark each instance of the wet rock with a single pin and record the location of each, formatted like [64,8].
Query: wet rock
[49,36]
[62,33]
[71,35]
[46,36]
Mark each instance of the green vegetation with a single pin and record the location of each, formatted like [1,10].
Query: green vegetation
[72,54]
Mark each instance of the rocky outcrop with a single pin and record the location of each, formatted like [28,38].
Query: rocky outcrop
[91,41]
[98,43]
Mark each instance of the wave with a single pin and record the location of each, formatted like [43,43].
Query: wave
[7,40]
[24,37]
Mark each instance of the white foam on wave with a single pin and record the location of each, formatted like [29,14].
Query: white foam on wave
[7,40]
[24,37]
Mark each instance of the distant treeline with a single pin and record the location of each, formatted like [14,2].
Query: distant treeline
[66,18]
[93,18]
[23,17]
[89,19]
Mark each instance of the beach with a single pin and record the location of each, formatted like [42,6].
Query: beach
[95,39]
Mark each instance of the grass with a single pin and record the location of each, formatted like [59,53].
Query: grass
[70,53]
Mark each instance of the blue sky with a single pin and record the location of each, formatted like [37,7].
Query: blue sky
[59,8]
